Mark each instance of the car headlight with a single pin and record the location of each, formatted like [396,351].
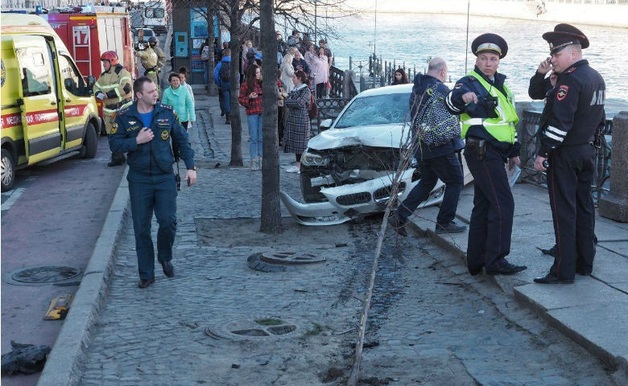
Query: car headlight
[311,159]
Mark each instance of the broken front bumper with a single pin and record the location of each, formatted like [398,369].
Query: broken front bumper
[351,201]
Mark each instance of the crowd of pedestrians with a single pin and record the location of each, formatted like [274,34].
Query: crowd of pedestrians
[303,70]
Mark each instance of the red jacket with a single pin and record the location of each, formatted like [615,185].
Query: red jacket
[253,105]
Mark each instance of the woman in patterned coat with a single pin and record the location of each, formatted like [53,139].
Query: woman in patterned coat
[297,132]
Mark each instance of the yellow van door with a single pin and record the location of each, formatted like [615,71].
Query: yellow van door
[39,103]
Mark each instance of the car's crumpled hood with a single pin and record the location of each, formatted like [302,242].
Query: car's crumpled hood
[374,136]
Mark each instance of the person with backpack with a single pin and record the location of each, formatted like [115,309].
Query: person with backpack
[222,78]
[436,153]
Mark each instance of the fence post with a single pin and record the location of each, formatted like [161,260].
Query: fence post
[615,204]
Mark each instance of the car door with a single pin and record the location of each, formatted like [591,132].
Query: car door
[75,103]
[39,103]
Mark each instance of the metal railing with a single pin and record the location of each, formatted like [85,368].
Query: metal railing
[527,132]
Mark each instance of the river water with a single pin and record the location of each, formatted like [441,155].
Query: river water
[413,38]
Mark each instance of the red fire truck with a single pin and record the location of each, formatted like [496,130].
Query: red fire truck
[90,31]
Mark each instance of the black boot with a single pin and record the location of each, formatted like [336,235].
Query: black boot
[117,159]
[228,120]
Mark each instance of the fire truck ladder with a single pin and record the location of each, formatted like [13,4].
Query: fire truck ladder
[82,40]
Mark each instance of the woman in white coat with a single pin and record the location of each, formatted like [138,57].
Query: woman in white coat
[287,71]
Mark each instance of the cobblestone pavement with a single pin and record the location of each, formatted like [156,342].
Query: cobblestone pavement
[218,322]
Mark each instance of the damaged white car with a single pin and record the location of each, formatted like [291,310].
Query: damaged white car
[348,170]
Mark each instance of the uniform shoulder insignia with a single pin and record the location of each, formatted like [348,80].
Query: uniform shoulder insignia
[168,107]
[561,94]
[123,111]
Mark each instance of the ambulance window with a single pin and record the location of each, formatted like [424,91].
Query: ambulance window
[36,71]
[69,71]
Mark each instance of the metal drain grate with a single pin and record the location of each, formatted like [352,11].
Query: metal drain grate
[42,275]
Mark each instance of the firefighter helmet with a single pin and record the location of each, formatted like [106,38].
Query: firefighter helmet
[152,40]
[111,56]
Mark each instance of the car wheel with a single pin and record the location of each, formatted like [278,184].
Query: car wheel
[90,142]
[7,164]
[310,193]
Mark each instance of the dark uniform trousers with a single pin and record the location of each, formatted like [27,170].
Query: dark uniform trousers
[490,227]
[569,180]
[148,193]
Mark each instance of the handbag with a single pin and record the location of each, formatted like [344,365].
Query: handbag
[313,110]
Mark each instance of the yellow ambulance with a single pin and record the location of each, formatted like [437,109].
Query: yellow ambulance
[48,109]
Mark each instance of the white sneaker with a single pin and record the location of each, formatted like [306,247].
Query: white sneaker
[293,169]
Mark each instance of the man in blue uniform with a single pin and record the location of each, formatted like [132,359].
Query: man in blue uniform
[573,120]
[488,117]
[144,131]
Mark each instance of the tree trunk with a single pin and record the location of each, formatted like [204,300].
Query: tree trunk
[236,124]
[271,206]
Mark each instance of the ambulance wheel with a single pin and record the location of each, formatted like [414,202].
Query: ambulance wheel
[8,170]
[90,142]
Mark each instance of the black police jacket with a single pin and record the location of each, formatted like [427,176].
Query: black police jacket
[575,109]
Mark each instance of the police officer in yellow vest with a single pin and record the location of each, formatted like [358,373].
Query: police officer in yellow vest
[487,112]
[114,88]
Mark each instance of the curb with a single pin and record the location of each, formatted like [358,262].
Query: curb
[64,361]
[618,364]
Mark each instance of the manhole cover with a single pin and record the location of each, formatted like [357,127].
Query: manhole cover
[257,328]
[288,257]
[42,275]
[277,261]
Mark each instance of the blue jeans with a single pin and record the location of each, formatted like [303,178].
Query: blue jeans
[255,135]
[449,170]
[225,91]
[148,194]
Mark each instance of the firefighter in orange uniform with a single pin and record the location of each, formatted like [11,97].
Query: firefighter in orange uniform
[114,88]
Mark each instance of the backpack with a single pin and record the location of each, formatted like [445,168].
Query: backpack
[434,124]
[205,53]
[225,72]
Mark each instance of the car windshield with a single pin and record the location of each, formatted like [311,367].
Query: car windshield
[375,110]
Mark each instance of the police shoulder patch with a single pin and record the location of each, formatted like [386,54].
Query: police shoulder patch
[561,94]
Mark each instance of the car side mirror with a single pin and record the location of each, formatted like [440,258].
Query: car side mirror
[70,85]
[91,81]
[325,124]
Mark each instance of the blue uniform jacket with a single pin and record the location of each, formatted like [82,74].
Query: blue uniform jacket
[156,156]
[421,83]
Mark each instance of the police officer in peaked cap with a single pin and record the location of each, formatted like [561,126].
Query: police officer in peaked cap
[571,124]
[488,116]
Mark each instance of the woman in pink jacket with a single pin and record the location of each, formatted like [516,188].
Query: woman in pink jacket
[320,71]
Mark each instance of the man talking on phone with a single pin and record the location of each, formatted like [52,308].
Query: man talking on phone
[145,131]
[570,128]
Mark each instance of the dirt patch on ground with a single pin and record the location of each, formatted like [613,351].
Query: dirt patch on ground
[245,232]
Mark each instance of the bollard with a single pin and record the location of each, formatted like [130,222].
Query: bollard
[615,204]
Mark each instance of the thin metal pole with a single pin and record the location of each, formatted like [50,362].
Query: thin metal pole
[466,48]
